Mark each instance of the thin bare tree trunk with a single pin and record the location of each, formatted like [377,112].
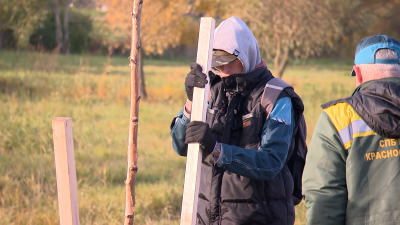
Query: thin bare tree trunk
[65,45]
[57,12]
[134,115]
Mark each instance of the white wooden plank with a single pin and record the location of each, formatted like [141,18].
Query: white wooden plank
[199,110]
[65,171]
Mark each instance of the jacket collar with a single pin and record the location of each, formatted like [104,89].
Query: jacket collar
[377,102]
[365,85]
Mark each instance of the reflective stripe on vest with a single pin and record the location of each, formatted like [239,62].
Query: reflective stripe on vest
[348,123]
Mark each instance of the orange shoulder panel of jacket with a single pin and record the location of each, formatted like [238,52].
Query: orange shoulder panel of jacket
[341,115]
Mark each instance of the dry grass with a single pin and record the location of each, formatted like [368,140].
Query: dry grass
[35,88]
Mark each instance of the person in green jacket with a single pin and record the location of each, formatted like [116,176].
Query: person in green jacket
[352,171]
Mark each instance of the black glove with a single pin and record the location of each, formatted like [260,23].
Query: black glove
[195,78]
[200,132]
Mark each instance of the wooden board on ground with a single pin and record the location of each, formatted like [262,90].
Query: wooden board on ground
[65,171]
[199,110]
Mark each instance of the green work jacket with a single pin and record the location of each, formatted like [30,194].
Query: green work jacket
[352,171]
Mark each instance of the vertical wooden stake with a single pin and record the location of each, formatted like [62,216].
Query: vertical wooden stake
[199,110]
[132,155]
[65,170]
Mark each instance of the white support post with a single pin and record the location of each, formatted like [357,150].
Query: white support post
[199,111]
[65,170]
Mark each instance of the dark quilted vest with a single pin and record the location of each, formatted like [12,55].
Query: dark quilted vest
[228,198]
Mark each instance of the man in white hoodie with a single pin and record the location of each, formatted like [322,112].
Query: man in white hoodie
[244,178]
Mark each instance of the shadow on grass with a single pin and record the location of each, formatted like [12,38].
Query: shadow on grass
[79,63]
[13,86]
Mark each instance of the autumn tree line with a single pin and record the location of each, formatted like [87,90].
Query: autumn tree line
[285,29]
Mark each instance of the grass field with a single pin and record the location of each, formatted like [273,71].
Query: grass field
[94,91]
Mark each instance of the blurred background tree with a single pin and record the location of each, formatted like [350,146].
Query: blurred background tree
[62,31]
[18,19]
[301,28]
[44,37]
[163,26]
[286,30]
